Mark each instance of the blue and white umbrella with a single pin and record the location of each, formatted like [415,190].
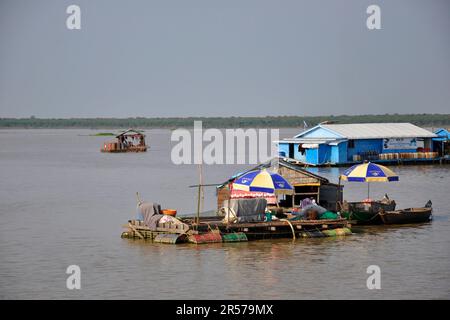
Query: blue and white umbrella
[263,181]
[369,172]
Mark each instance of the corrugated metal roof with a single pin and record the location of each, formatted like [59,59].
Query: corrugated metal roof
[443,133]
[379,130]
[308,140]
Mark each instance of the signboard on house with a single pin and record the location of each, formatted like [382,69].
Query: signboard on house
[402,143]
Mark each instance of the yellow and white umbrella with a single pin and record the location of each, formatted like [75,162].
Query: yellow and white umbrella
[369,172]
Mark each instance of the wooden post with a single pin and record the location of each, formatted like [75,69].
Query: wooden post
[338,193]
[199,195]
[135,231]
[138,198]
[227,212]
[198,206]
[202,195]
[318,194]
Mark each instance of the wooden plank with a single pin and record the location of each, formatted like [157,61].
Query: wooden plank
[250,224]
[281,223]
[179,230]
[136,231]
[306,193]
[171,230]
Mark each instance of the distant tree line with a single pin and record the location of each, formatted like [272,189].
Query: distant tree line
[424,120]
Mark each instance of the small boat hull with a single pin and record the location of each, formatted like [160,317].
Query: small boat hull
[412,215]
[234,237]
[366,213]
[363,217]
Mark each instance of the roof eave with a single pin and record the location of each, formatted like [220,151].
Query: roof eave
[319,126]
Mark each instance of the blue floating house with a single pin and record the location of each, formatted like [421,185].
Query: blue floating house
[335,144]
[441,142]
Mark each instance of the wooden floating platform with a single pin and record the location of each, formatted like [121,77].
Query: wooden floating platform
[128,149]
[414,161]
[211,230]
[277,228]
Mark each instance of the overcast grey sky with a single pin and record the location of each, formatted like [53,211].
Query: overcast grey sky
[223,58]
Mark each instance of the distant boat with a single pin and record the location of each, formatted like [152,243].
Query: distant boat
[128,141]
[410,215]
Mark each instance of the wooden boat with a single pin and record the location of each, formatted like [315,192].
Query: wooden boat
[410,215]
[365,212]
[127,141]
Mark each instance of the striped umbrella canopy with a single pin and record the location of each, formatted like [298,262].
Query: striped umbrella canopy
[369,172]
[263,181]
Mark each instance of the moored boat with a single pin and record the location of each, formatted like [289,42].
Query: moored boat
[128,141]
[366,212]
[409,215]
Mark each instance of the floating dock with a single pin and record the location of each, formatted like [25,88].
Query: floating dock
[332,144]
[213,230]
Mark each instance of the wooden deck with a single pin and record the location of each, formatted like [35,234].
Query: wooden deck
[129,149]
[253,231]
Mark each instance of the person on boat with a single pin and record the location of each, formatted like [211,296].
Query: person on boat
[305,202]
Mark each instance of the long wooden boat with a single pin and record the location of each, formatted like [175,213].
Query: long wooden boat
[366,213]
[404,216]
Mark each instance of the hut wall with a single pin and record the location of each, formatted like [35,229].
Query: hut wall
[328,196]
[295,177]
[222,195]
[364,145]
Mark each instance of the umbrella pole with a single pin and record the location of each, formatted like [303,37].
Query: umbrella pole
[368,190]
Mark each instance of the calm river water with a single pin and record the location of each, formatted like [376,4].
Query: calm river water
[63,202]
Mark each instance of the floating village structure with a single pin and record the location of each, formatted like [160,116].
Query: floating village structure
[344,144]
[128,141]
[254,215]
[441,142]
[304,212]
[282,199]
[306,185]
